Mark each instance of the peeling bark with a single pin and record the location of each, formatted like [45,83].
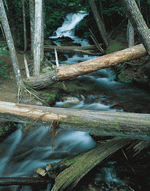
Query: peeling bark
[71,71]
[129,125]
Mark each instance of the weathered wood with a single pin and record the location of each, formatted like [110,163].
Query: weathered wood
[84,163]
[90,50]
[71,71]
[137,21]
[6,181]
[96,122]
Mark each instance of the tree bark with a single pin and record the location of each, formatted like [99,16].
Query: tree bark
[24,26]
[42,33]
[32,23]
[84,163]
[37,38]
[102,123]
[10,43]
[99,22]
[130,34]
[71,71]
[137,21]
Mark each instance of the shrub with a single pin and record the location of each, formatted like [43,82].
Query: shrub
[3,70]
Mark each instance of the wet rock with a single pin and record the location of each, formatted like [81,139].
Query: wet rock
[41,171]
[70,101]
[61,57]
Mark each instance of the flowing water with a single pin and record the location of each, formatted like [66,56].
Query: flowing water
[21,153]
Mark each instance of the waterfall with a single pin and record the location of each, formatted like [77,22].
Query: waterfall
[68,27]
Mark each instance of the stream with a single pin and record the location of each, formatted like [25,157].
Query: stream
[23,152]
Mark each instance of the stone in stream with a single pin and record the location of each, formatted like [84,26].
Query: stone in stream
[70,101]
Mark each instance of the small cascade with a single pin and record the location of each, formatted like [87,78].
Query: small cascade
[68,27]
[21,155]
[104,78]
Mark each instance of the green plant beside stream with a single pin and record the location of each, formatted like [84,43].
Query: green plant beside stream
[3,70]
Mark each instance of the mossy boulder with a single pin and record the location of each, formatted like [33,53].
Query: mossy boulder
[70,101]
[136,71]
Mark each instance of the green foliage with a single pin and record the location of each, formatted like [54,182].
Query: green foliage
[148,2]
[3,70]
[5,127]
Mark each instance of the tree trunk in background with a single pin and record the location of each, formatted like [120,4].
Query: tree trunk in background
[130,34]
[42,33]
[11,46]
[100,24]
[32,23]
[37,37]
[24,26]
[137,21]
[101,10]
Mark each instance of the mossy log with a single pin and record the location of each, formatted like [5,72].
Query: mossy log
[102,123]
[82,164]
[71,71]
[89,50]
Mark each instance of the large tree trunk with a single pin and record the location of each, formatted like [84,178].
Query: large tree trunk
[10,43]
[37,38]
[71,71]
[99,22]
[138,22]
[32,23]
[102,123]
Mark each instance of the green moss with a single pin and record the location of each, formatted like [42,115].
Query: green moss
[115,124]
[114,46]
[50,96]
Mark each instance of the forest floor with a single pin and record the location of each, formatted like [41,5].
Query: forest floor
[8,85]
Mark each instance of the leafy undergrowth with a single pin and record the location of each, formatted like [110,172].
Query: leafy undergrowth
[6,128]
[136,71]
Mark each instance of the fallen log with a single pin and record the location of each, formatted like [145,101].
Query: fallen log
[131,125]
[6,181]
[82,164]
[89,50]
[71,71]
